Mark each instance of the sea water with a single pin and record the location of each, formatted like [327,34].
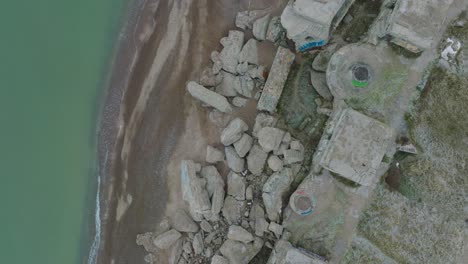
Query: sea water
[54,58]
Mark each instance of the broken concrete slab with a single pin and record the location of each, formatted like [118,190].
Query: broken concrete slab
[263,120]
[293,156]
[193,188]
[198,244]
[233,131]
[209,97]
[276,80]
[182,222]
[236,186]
[257,72]
[276,186]
[276,229]
[217,259]
[270,138]
[245,19]
[213,178]
[217,62]
[357,146]
[243,145]
[240,253]
[214,155]
[238,233]
[260,27]
[232,210]
[229,85]
[209,78]
[234,161]
[167,239]
[256,160]
[217,202]
[285,253]
[205,226]
[261,226]
[275,31]
[249,52]
[232,46]
[275,163]
[246,86]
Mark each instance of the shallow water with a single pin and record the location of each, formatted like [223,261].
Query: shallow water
[54,56]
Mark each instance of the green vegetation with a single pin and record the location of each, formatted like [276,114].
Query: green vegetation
[297,110]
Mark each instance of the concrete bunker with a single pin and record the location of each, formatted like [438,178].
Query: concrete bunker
[309,23]
[414,24]
[356,147]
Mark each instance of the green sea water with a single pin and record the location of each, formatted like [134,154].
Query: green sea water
[54,56]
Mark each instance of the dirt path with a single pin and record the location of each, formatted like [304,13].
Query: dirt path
[153,116]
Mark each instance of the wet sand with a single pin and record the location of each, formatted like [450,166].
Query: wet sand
[147,114]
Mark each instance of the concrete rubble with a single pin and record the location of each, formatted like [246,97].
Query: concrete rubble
[276,80]
[245,19]
[270,138]
[182,222]
[209,97]
[236,186]
[232,44]
[249,52]
[166,239]
[243,145]
[240,253]
[193,189]
[285,253]
[214,155]
[233,132]
[209,78]
[275,31]
[277,185]
[309,22]
[260,27]
[256,160]
[229,85]
[239,101]
[234,161]
[238,233]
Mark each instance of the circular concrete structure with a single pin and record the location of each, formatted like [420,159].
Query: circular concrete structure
[302,203]
[353,70]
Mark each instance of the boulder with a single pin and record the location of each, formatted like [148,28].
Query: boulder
[193,188]
[256,160]
[234,161]
[297,145]
[276,186]
[175,252]
[275,31]
[320,62]
[287,138]
[257,72]
[232,45]
[182,222]
[249,52]
[197,244]
[246,87]
[243,145]
[217,202]
[245,19]
[283,146]
[232,209]
[242,68]
[262,120]
[233,132]
[239,101]
[205,226]
[238,233]
[213,178]
[236,186]
[260,27]
[167,239]
[319,82]
[276,229]
[270,138]
[209,97]
[217,259]
[275,163]
[218,118]
[261,226]
[217,62]
[146,240]
[229,85]
[249,192]
[293,156]
[214,155]
[209,79]
[240,253]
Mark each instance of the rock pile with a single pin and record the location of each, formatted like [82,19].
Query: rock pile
[226,221]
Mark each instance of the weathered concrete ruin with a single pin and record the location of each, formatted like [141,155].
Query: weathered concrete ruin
[276,79]
[310,22]
[357,146]
[414,24]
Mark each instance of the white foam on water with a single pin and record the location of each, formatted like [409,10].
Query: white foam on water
[92,258]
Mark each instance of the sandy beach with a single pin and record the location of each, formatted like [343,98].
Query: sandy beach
[148,122]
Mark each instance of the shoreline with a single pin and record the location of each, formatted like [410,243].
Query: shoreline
[139,143]
[115,84]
